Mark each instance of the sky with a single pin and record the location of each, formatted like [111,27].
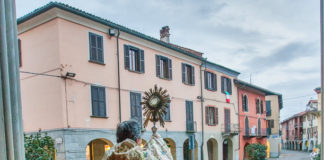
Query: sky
[273,44]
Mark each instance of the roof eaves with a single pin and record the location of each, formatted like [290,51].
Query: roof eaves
[235,72]
[267,92]
[102,21]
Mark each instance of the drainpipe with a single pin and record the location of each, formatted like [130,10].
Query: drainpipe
[118,71]
[202,110]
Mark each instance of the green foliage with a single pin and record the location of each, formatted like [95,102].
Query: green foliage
[256,151]
[318,157]
[38,147]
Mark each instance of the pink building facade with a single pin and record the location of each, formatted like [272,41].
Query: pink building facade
[81,75]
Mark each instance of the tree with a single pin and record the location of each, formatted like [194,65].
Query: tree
[38,147]
[256,151]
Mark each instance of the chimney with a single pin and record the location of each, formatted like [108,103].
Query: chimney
[164,34]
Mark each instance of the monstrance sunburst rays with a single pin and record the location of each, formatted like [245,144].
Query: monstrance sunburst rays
[155,105]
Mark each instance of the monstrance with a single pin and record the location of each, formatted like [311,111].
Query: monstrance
[155,106]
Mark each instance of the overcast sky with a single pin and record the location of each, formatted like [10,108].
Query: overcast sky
[276,42]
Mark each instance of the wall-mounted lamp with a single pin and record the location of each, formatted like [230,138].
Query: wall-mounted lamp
[112,32]
[70,74]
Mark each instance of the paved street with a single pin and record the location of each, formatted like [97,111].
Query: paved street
[292,155]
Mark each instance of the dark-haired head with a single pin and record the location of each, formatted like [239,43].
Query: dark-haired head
[130,129]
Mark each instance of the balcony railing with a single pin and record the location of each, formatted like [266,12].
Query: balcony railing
[230,129]
[262,132]
[191,126]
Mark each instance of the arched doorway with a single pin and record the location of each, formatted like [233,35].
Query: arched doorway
[245,154]
[97,148]
[227,149]
[187,154]
[301,146]
[172,145]
[212,148]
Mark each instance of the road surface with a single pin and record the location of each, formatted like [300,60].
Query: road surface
[292,155]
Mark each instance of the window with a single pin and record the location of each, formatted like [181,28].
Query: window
[226,85]
[268,108]
[96,48]
[136,108]
[188,74]
[167,116]
[211,115]
[189,117]
[19,51]
[257,105]
[134,59]
[245,106]
[163,67]
[210,81]
[270,123]
[98,101]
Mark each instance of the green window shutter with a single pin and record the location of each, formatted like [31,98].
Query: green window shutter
[157,60]
[95,101]
[100,55]
[170,69]
[142,64]
[92,47]
[229,85]
[192,75]
[223,83]
[132,104]
[102,101]
[214,82]
[243,103]
[216,116]
[183,72]
[206,79]
[126,56]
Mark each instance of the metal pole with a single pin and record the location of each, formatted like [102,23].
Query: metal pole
[11,130]
[322,74]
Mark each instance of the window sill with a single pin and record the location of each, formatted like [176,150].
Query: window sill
[188,84]
[97,62]
[210,90]
[138,72]
[105,117]
[168,79]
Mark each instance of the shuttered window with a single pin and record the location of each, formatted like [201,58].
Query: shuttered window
[268,108]
[211,115]
[188,74]
[189,117]
[134,59]
[226,85]
[210,81]
[96,48]
[245,106]
[257,105]
[98,101]
[135,106]
[163,67]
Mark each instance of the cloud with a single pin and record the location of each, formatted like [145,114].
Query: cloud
[276,41]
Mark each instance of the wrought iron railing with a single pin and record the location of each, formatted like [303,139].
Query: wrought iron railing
[230,129]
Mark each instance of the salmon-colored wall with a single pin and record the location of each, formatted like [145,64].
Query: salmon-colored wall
[75,59]
[41,94]
[253,118]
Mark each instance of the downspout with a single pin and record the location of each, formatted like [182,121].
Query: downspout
[202,110]
[118,71]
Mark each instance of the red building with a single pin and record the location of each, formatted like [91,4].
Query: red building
[252,115]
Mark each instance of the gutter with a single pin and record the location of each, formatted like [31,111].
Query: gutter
[118,71]
[202,110]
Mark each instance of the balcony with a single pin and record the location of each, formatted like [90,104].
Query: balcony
[262,133]
[296,125]
[230,130]
[249,133]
